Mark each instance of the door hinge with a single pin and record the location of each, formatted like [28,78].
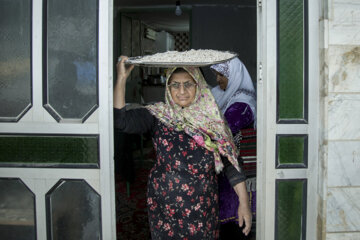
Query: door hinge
[260,3]
[260,73]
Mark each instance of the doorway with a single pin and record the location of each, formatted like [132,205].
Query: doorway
[214,25]
[88,43]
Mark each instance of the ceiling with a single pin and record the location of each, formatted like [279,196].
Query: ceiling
[160,14]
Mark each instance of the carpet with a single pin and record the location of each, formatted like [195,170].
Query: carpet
[131,214]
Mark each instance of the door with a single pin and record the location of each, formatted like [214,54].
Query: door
[288,105]
[56,140]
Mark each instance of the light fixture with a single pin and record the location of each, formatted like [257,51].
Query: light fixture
[178,11]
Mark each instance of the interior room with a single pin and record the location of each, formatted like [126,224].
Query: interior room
[147,27]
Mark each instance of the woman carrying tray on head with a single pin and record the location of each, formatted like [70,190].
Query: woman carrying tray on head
[192,143]
[236,98]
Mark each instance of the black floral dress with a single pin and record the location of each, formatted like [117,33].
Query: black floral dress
[182,188]
[182,192]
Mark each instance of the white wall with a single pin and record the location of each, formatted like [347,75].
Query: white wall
[340,97]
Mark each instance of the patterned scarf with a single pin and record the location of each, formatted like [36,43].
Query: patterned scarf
[202,120]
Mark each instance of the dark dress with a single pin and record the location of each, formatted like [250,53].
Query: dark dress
[182,193]
[238,116]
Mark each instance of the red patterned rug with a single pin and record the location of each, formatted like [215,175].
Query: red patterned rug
[131,213]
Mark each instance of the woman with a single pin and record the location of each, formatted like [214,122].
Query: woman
[236,98]
[189,137]
[235,94]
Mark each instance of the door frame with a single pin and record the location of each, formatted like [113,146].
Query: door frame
[38,121]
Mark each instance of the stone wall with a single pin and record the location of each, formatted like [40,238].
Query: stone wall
[340,100]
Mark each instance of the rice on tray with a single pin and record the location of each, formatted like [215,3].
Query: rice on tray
[191,56]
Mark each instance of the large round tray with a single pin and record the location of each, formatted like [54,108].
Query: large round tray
[134,61]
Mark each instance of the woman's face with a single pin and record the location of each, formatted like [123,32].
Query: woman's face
[182,88]
[221,80]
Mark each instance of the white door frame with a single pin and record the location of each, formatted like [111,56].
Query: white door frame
[106,62]
[38,121]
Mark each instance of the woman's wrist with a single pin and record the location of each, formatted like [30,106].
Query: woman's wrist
[244,203]
[241,192]
[121,81]
[244,199]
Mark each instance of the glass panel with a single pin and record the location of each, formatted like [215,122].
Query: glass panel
[17,210]
[15,59]
[52,150]
[291,59]
[290,219]
[73,211]
[291,151]
[71,59]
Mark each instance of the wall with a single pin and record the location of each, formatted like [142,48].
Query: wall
[132,43]
[226,27]
[182,41]
[340,98]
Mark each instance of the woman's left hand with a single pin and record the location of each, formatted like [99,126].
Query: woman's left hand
[244,208]
[245,216]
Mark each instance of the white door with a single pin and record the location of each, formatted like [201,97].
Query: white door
[56,140]
[288,105]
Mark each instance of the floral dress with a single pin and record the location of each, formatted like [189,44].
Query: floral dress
[182,189]
[182,195]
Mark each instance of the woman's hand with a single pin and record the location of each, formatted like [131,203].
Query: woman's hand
[119,89]
[245,216]
[123,72]
[244,208]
